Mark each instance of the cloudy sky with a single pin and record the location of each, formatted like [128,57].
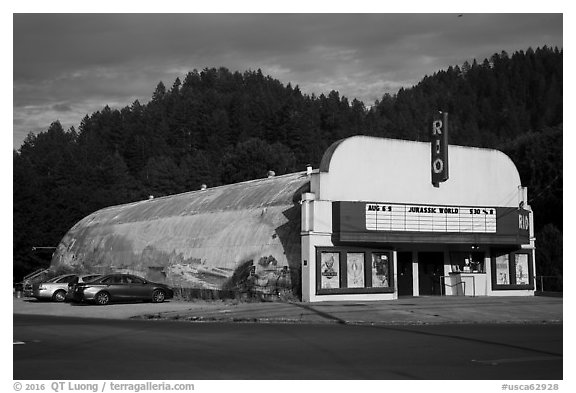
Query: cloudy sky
[68,65]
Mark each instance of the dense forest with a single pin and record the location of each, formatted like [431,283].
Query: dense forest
[217,127]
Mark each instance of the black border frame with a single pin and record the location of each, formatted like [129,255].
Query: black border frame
[511,269]
[343,290]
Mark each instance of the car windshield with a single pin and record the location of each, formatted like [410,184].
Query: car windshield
[66,279]
[56,279]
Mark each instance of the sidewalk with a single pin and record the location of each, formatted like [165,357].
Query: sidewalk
[412,310]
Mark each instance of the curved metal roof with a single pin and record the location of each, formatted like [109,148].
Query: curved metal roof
[196,239]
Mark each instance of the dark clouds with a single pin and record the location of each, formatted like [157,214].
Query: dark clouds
[70,65]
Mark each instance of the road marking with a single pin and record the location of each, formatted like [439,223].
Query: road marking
[496,362]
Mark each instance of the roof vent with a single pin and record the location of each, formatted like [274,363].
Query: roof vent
[150,197]
[203,187]
[271,174]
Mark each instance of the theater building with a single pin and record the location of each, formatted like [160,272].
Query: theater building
[371,223]
[375,227]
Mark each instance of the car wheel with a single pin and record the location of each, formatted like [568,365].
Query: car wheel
[158,296]
[102,298]
[59,296]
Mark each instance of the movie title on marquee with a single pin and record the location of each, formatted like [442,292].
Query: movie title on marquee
[426,218]
[439,142]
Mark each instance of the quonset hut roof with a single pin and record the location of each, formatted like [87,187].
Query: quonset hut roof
[197,239]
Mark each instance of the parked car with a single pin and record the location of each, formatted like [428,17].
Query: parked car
[29,280]
[54,289]
[79,280]
[121,287]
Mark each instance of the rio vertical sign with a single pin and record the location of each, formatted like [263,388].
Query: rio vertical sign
[439,143]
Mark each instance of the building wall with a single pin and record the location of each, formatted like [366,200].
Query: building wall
[372,169]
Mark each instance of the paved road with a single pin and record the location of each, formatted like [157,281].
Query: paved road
[79,348]
[419,310]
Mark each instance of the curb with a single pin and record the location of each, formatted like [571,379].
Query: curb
[201,319]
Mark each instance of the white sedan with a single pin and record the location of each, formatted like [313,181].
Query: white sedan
[54,289]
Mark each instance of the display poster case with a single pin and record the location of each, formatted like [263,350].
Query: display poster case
[355,269]
[330,270]
[380,270]
[512,269]
[349,270]
[502,269]
[521,265]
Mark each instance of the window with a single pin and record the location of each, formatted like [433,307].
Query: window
[512,270]
[62,279]
[66,279]
[502,269]
[380,270]
[115,279]
[330,270]
[349,270]
[133,280]
[355,269]
[521,268]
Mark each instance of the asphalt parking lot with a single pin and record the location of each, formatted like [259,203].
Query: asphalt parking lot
[410,310]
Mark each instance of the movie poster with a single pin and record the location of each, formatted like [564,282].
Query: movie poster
[355,262]
[502,270]
[329,270]
[522,269]
[380,270]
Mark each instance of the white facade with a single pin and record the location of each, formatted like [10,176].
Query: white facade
[395,175]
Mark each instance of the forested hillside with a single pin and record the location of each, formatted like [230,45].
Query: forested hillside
[216,127]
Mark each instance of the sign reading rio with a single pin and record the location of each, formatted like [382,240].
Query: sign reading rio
[439,142]
[524,221]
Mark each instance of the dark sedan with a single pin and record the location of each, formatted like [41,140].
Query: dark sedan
[121,288]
